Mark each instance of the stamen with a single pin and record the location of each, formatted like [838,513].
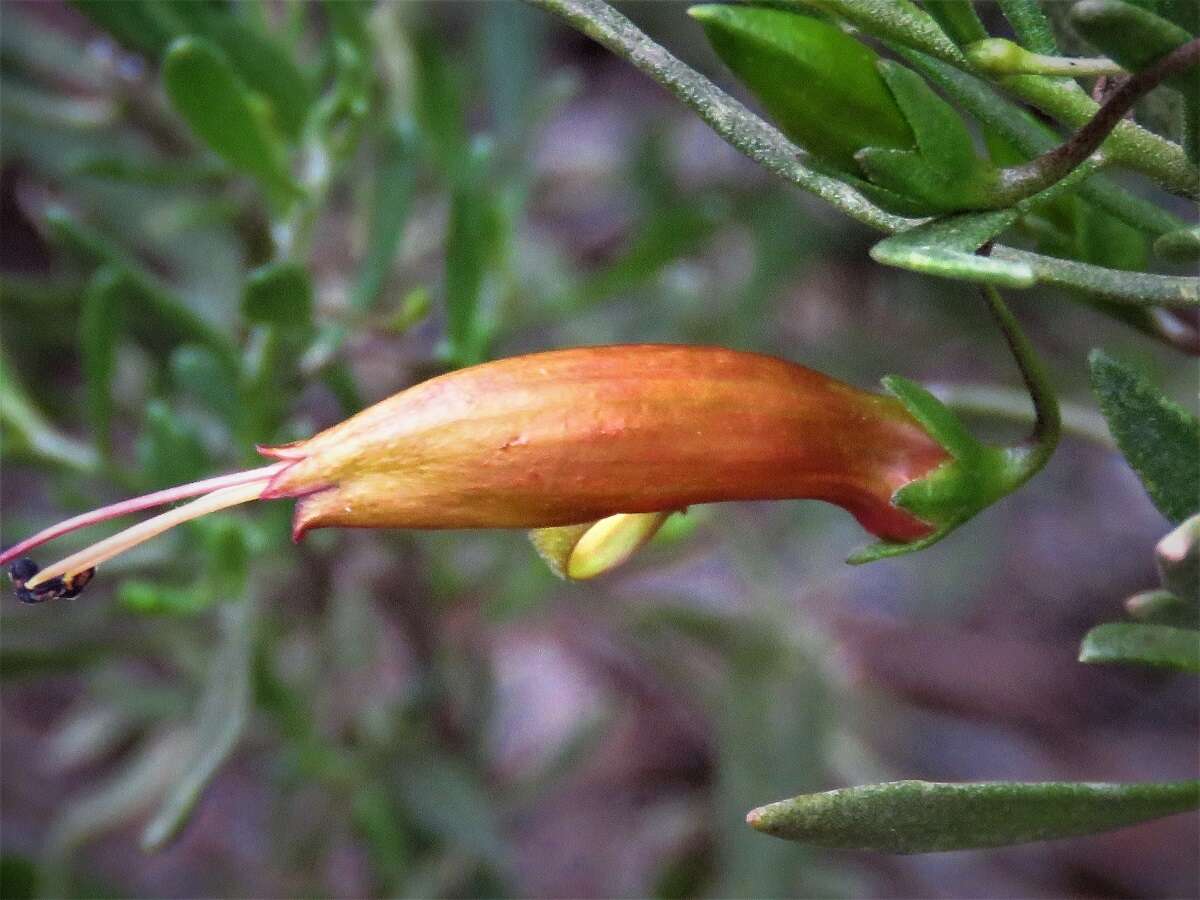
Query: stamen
[137,504]
[109,547]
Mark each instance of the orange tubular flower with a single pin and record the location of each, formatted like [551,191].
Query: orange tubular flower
[568,437]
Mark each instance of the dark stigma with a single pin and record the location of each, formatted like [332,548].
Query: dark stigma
[55,588]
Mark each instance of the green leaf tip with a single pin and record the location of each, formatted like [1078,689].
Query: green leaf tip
[946,248]
[1158,437]
[1133,643]
[207,92]
[929,817]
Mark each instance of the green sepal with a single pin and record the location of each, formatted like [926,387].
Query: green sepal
[976,476]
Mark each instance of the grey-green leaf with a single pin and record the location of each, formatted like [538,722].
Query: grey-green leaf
[897,20]
[946,248]
[1178,557]
[1133,643]
[206,91]
[1159,438]
[927,817]
[224,709]
[99,331]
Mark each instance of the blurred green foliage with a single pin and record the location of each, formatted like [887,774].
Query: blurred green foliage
[248,219]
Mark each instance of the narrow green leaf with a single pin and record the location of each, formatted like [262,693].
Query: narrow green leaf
[1133,36]
[470,241]
[1032,137]
[439,105]
[224,710]
[958,19]
[1161,607]
[159,319]
[942,138]
[946,248]
[1159,438]
[929,817]
[395,169]
[896,20]
[280,294]
[263,65]
[170,449]
[198,372]
[100,327]
[1031,25]
[206,91]
[818,84]
[27,430]
[1146,645]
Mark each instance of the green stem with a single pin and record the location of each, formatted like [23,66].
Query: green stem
[764,144]
[1031,137]
[1047,424]
[1018,182]
[1129,145]
[726,116]
[1012,404]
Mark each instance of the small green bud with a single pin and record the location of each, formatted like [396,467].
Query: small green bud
[998,57]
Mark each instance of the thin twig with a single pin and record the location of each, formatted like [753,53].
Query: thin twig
[1018,182]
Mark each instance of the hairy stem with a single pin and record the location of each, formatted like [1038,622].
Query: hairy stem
[767,146]
[758,140]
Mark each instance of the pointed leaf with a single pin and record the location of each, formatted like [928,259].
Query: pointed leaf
[1159,438]
[100,326]
[927,817]
[942,138]
[395,169]
[207,92]
[1145,645]
[279,294]
[896,20]
[818,84]
[946,248]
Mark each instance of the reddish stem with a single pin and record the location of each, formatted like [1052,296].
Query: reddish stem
[137,504]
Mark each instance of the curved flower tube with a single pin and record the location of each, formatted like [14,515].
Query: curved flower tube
[569,437]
